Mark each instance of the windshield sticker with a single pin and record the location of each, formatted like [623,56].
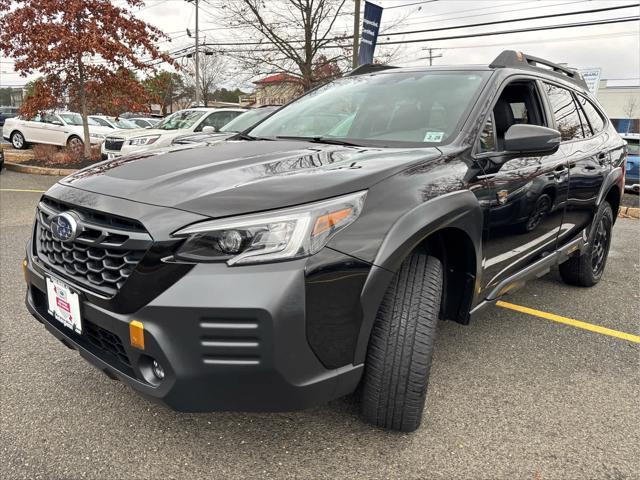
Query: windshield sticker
[434,136]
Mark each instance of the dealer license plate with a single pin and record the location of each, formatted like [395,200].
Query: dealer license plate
[64,304]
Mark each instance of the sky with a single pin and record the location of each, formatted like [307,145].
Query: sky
[615,48]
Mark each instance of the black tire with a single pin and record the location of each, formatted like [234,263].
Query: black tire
[586,270]
[75,145]
[398,361]
[18,141]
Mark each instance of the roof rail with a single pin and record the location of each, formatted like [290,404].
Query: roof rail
[513,59]
[369,68]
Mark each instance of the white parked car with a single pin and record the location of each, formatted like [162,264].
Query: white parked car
[180,123]
[145,122]
[63,129]
[114,123]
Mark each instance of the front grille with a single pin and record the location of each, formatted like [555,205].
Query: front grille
[106,341]
[113,143]
[102,256]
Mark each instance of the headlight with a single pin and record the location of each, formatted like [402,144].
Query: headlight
[271,236]
[138,141]
[97,135]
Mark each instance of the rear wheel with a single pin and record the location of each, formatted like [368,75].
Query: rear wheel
[586,270]
[399,357]
[17,140]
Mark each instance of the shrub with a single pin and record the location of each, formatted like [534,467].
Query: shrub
[57,157]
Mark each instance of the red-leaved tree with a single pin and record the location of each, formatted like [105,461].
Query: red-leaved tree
[83,49]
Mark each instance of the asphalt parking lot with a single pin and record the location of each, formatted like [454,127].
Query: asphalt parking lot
[513,395]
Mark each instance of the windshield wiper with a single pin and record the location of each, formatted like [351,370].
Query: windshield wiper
[246,136]
[327,140]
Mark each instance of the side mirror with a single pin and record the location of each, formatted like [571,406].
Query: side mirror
[531,140]
[210,129]
[56,122]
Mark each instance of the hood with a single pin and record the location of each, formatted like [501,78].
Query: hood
[136,132]
[236,177]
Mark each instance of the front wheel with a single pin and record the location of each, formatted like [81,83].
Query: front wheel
[586,269]
[399,357]
[17,140]
[75,145]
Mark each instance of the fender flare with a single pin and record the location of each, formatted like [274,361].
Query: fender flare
[459,210]
[612,178]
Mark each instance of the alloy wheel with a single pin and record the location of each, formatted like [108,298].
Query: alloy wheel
[600,247]
[17,140]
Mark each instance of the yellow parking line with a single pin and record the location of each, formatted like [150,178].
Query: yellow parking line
[570,321]
[21,190]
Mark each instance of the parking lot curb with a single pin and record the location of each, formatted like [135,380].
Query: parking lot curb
[629,212]
[18,167]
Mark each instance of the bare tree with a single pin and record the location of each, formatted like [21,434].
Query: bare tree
[288,35]
[213,69]
[630,106]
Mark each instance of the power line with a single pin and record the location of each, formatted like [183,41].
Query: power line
[410,4]
[539,17]
[520,30]
[497,22]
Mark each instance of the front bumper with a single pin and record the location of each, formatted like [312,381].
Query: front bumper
[107,154]
[228,338]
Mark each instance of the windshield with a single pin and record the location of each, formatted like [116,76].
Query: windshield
[180,120]
[122,123]
[246,120]
[389,109]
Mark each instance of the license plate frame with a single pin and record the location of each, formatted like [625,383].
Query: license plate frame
[63,304]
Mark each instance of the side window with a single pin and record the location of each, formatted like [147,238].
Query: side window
[487,140]
[593,115]
[48,118]
[217,119]
[586,128]
[519,103]
[565,112]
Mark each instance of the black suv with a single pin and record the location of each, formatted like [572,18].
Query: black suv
[317,251]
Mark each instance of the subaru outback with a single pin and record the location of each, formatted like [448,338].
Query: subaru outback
[314,254]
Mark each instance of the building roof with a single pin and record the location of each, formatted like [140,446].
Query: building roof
[278,78]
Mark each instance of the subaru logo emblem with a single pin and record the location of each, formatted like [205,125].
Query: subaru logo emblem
[64,227]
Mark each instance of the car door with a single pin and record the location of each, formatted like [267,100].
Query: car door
[589,162]
[53,129]
[522,197]
[32,129]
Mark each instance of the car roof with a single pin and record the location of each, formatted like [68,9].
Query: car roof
[509,61]
[215,109]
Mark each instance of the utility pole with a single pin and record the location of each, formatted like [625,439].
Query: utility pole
[356,34]
[197,51]
[431,56]
[197,99]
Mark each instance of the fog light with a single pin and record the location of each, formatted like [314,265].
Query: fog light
[157,370]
